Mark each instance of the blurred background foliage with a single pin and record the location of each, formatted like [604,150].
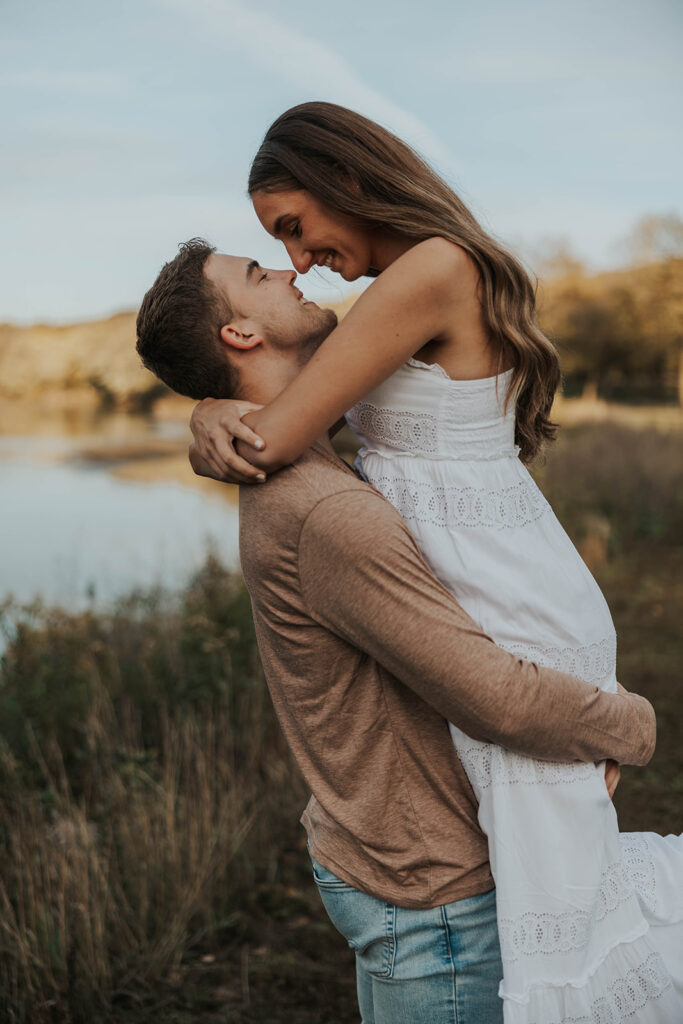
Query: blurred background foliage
[620,334]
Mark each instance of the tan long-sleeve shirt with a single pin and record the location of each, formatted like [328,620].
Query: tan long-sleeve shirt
[366,655]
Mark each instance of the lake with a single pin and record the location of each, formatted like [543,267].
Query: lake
[93,507]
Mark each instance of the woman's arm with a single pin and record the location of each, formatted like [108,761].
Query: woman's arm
[412,302]
[409,304]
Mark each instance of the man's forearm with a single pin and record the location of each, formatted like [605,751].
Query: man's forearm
[495,697]
[547,714]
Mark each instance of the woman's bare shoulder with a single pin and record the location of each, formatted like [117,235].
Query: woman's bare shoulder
[436,259]
[440,248]
[424,285]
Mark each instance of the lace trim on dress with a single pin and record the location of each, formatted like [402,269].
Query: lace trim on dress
[593,663]
[489,765]
[436,368]
[478,383]
[414,432]
[421,434]
[518,505]
[624,996]
[640,867]
[548,933]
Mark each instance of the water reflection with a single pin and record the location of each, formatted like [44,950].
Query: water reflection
[94,506]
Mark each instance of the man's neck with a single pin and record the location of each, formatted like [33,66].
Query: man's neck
[262,384]
[262,380]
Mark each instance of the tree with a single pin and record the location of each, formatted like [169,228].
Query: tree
[554,258]
[621,330]
[656,238]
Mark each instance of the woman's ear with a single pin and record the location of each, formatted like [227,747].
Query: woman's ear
[240,339]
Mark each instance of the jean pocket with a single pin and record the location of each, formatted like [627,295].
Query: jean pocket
[324,879]
[367,924]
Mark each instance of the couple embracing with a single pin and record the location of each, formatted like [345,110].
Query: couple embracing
[440,659]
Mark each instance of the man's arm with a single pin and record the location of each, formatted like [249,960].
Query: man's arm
[363,577]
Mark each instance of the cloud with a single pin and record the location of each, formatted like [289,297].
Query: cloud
[308,63]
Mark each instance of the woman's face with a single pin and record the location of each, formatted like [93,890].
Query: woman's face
[314,234]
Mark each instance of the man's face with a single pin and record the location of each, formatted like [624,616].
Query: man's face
[268,303]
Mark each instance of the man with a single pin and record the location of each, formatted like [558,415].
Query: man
[366,656]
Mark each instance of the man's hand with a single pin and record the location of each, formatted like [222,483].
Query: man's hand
[199,465]
[216,424]
[612,776]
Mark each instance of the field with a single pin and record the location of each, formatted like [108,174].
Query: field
[151,864]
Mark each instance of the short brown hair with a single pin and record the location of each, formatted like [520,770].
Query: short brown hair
[178,327]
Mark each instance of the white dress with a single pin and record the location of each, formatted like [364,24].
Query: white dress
[590,921]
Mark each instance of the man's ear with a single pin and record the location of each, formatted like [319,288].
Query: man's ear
[241,339]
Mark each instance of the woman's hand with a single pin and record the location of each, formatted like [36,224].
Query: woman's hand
[612,776]
[216,424]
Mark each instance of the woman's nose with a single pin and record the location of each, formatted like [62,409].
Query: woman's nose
[302,259]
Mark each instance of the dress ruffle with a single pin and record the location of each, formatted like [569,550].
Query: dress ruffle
[632,983]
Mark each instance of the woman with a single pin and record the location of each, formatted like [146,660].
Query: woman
[449,383]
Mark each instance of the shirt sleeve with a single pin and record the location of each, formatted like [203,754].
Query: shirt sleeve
[363,577]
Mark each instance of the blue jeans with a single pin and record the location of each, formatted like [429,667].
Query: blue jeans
[438,966]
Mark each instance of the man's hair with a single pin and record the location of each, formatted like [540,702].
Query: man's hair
[178,327]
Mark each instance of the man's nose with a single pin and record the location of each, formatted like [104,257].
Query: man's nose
[289,275]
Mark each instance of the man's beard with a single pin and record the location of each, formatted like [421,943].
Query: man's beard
[312,340]
[301,341]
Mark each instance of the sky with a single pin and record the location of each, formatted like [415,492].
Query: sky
[127,128]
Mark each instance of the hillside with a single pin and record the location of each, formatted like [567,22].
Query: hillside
[92,362]
[620,324]
[96,357]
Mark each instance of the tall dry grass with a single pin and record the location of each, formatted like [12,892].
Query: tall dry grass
[631,478]
[141,771]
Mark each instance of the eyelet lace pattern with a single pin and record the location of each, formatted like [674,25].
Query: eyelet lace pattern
[640,867]
[594,663]
[518,505]
[489,765]
[421,411]
[548,933]
[624,996]
[413,432]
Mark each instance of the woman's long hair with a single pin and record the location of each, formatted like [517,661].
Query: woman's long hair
[362,170]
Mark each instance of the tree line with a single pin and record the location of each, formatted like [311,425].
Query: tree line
[620,334]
